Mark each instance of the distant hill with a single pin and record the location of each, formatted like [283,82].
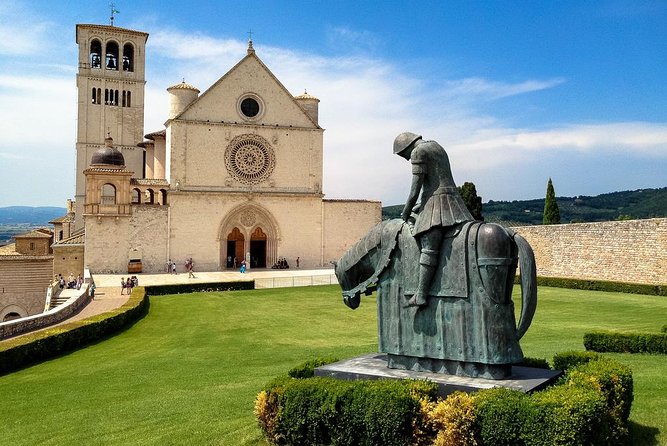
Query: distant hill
[30,215]
[19,219]
[642,203]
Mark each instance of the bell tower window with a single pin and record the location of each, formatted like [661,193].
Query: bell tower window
[111,60]
[95,54]
[108,195]
[128,57]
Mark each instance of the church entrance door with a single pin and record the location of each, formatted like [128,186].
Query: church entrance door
[258,249]
[235,247]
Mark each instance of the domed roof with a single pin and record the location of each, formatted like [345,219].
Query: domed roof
[305,95]
[108,154]
[183,86]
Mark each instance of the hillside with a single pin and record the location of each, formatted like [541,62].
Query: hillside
[642,203]
[19,219]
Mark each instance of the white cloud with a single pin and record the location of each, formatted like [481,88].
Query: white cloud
[365,103]
[21,33]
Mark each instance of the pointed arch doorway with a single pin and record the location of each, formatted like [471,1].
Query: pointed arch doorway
[235,247]
[249,232]
[258,248]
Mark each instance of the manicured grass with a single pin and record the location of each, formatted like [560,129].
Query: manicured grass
[188,372]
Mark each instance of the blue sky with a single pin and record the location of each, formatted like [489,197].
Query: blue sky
[517,92]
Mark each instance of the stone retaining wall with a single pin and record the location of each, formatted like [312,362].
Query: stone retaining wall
[632,251]
[31,323]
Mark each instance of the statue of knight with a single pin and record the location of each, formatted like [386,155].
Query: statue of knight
[441,205]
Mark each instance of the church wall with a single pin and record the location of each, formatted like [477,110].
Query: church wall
[149,235]
[197,232]
[107,244]
[346,222]
[68,259]
[220,104]
[23,283]
[198,157]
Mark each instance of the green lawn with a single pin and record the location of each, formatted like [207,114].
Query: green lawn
[188,372]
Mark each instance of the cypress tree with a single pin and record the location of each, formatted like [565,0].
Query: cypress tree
[474,203]
[551,212]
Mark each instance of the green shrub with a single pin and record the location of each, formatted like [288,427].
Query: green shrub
[614,381]
[500,416]
[44,344]
[589,406]
[609,341]
[182,288]
[601,285]
[564,416]
[537,363]
[664,329]
[567,360]
[328,411]
[307,369]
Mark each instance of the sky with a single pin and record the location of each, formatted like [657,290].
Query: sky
[517,92]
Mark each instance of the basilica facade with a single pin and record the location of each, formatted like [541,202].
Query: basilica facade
[236,173]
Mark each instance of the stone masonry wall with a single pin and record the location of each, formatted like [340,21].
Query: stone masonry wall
[632,251]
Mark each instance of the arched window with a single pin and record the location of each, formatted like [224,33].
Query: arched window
[111,60]
[128,57]
[94,96]
[99,95]
[129,99]
[60,235]
[11,316]
[124,94]
[95,54]
[163,193]
[150,196]
[136,196]
[106,96]
[108,194]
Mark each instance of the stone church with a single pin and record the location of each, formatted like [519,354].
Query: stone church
[235,173]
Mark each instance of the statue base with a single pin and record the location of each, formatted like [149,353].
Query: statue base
[374,366]
[444,366]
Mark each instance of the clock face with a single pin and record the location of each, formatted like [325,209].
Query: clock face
[250,107]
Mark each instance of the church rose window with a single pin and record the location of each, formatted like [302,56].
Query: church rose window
[250,107]
[249,159]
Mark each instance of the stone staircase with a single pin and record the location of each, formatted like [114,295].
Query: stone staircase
[60,299]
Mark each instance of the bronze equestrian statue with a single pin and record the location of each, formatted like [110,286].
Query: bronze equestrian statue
[444,281]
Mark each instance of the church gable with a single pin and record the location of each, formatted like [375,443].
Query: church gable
[248,94]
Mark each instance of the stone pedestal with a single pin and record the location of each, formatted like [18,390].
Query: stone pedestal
[374,366]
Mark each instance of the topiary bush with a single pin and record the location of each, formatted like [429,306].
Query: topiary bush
[600,285]
[537,363]
[307,369]
[589,406]
[609,341]
[567,360]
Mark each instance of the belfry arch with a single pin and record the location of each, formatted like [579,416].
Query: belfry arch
[249,232]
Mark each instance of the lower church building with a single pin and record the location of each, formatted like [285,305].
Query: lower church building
[235,174]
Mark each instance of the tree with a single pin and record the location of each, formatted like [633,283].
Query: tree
[474,203]
[551,212]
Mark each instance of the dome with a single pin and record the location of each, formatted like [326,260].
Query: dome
[108,154]
[183,86]
[306,96]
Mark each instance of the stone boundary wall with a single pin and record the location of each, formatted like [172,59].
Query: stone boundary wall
[633,251]
[31,323]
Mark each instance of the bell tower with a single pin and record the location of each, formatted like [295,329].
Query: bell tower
[111,82]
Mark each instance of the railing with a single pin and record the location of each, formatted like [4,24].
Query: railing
[287,282]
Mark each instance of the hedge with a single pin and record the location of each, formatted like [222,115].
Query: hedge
[601,285]
[31,348]
[609,341]
[182,288]
[567,360]
[589,406]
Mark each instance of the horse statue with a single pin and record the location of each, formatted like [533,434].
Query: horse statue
[468,325]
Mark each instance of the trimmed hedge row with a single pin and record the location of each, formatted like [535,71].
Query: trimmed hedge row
[28,349]
[183,288]
[609,341]
[589,406]
[601,285]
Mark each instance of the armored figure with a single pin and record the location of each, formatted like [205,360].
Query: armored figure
[440,208]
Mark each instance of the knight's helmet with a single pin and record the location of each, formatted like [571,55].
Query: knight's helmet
[404,140]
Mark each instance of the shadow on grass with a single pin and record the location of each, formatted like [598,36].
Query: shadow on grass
[643,435]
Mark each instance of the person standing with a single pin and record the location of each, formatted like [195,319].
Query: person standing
[122,286]
[191,266]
